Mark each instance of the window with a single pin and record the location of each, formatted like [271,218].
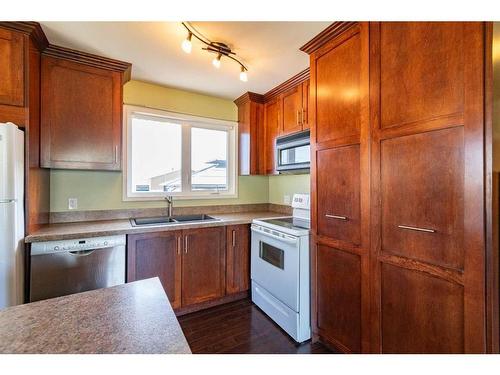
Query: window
[179,155]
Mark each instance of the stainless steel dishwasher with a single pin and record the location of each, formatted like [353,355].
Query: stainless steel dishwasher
[65,267]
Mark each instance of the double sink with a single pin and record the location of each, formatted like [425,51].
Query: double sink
[168,220]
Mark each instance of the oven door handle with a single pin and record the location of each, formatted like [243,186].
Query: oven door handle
[287,239]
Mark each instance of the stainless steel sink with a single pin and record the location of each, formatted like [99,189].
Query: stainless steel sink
[166,220]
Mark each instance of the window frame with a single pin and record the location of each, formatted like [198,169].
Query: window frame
[187,122]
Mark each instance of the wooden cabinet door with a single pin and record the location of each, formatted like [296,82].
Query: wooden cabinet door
[291,109]
[11,68]
[271,121]
[81,116]
[237,258]
[428,245]
[338,88]
[305,105]
[203,265]
[338,297]
[338,192]
[157,255]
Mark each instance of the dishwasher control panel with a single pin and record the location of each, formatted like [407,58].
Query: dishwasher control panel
[79,244]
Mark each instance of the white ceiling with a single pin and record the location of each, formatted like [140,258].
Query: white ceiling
[269,49]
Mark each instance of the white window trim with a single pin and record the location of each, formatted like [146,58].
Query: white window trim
[232,152]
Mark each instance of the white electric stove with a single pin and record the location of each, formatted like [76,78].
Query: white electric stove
[280,268]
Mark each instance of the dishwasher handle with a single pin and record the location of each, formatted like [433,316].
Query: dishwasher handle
[81,253]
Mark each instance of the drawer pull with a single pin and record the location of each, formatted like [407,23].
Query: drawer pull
[234,238]
[336,217]
[417,229]
[186,244]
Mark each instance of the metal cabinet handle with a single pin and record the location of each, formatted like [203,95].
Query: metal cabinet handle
[185,244]
[417,229]
[179,245]
[234,238]
[303,116]
[298,116]
[336,217]
[116,154]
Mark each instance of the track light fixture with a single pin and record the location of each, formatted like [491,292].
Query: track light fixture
[218,48]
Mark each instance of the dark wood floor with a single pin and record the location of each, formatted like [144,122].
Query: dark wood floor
[240,327]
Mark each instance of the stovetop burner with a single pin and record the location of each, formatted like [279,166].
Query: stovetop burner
[289,222]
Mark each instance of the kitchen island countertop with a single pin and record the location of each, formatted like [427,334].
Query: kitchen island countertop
[129,318]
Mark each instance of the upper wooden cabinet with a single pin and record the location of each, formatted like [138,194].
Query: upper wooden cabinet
[271,126]
[262,118]
[250,134]
[81,112]
[11,68]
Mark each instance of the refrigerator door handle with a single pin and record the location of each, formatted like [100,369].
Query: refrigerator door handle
[7,200]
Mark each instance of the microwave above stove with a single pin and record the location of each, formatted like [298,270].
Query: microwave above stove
[293,153]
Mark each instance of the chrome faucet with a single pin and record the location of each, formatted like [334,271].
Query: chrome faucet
[170,202]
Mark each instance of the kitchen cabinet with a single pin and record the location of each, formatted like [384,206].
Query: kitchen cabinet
[81,111]
[400,258]
[237,258]
[203,265]
[291,109]
[294,107]
[157,255]
[262,118]
[271,121]
[11,68]
[251,134]
[191,264]
[340,190]
[429,246]
[20,46]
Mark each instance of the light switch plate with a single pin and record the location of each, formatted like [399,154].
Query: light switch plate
[286,199]
[72,203]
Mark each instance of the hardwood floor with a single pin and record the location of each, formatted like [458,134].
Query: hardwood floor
[240,327]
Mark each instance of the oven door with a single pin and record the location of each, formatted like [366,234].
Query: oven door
[275,264]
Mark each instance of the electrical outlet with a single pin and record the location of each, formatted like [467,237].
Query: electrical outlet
[72,203]
[286,199]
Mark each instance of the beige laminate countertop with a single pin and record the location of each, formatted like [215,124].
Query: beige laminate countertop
[129,318]
[55,232]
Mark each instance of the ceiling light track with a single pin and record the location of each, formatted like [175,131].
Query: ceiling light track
[218,48]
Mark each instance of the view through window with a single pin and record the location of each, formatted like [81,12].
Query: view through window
[179,157]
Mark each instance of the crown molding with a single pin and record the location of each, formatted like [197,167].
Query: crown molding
[287,85]
[89,59]
[33,29]
[249,97]
[332,31]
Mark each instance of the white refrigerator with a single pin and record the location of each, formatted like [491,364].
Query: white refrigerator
[11,215]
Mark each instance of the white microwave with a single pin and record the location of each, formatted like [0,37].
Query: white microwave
[293,153]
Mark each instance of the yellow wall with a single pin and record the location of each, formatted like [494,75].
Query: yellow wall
[97,190]
[282,185]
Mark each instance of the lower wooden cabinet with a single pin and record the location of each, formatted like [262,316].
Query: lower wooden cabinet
[157,255]
[237,258]
[191,264]
[203,265]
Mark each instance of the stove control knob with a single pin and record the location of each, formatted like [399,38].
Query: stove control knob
[56,248]
[105,243]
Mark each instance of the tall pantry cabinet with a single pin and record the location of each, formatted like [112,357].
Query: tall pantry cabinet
[398,122]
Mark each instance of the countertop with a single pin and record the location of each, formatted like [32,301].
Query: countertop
[53,232]
[129,318]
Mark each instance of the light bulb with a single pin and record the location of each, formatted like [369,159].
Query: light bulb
[216,61]
[186,44]
[243,75]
